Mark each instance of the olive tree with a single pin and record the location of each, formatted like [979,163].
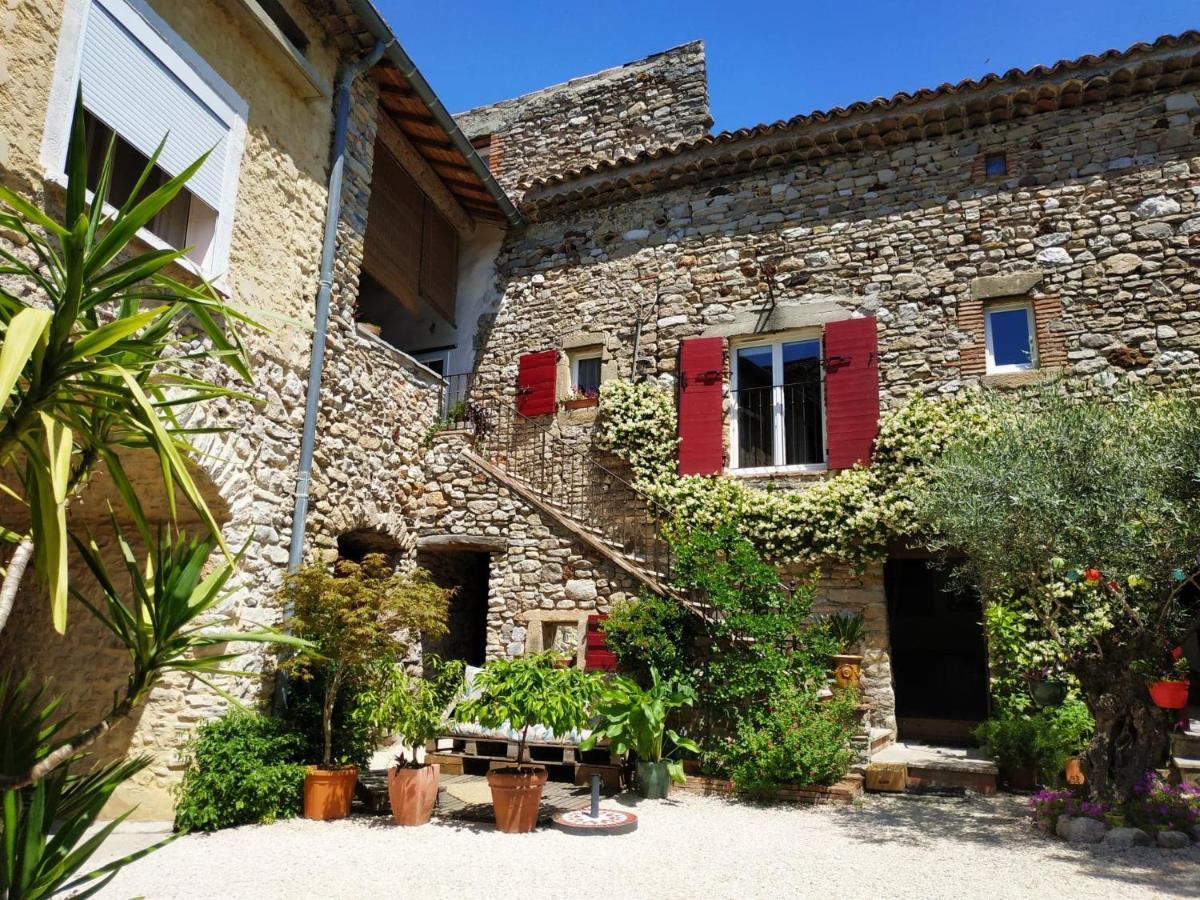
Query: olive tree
[1087,514]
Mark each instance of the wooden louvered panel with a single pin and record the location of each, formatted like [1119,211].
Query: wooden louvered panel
[395,226]
[439,264]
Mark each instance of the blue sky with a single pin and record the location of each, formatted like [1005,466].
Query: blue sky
[767,59]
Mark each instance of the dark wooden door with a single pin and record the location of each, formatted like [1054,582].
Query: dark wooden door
[938,651]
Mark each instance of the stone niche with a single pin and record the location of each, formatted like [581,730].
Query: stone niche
[556,629]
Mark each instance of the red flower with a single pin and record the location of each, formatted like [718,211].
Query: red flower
[1092,574]
[1176,653]
[1112,586]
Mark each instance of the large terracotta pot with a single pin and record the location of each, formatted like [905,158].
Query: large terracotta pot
[847,669]
[1169,694]
[516,797]
[413,792]
[1020,778]
[328,792]
[1074,771]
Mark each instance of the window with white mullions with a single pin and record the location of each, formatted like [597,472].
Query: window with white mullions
[778,420]
[585,375]
[1009,331]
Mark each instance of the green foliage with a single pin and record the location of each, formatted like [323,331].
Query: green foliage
[414,707]
[846,629]
[652,632]
[357,617]
[93,362]
[1016,647]
[352,739]
[1044,739]
[796,740]
[242,769]
[635,718]
[1154,805]
[850,516]
[530,690]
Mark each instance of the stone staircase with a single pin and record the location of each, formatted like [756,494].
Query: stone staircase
[1185,750]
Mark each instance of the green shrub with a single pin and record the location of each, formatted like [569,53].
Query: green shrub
[240,770]
[353,738]
[652,632]
[1044,740]
[798,740]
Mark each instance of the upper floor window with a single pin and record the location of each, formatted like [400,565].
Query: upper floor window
[585,373]
[1009,329]
[143,85]
[995,165]
[778,414]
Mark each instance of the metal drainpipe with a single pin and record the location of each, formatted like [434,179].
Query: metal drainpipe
[332,213]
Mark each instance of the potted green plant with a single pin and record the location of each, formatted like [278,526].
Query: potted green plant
[848,631]
[635,718]
[519,693]
[413,709]
[354,618]
[1167,679]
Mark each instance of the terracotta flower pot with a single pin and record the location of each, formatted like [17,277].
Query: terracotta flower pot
[847,671]
[1074,772]
[516,797]
[580,403]
[413,792]
[1169,694]
[328,792]
[1020,778]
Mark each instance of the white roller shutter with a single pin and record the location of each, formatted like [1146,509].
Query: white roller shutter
[131,91]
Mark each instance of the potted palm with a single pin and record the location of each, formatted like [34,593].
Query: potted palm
[848,632]
[413,709]
[635,718]
[354,619]
[518,694]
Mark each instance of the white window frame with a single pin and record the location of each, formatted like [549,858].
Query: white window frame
[191,69]
[577,357]
[1031,323]
[775,342]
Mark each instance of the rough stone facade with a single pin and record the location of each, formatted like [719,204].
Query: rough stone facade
[658,101]
[1093,222]
[376,403]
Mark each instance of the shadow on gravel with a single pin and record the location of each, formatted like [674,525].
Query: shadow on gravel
[971,820]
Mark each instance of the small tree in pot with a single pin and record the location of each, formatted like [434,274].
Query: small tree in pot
[357,616]
[414,709]
[520,693]
[635,718]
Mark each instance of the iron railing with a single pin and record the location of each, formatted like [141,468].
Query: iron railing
[779,425]
[562,471]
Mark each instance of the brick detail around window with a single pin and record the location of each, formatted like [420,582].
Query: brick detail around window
[1047,315]
[1012,161]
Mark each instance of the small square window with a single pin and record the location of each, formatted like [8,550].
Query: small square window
[995,165]
[1011,346]
[585,375]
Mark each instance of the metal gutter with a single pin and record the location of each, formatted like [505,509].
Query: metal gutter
[333,212]
[370,16]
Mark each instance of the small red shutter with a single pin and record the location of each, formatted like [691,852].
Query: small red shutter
[701,406]
[851,390]
[596,654]
[537,381]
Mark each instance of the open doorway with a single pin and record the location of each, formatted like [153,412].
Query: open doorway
[467,573]
[938,653]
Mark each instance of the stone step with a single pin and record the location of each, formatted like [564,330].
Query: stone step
[881,738]
[1186,769]
[942,767]
[1185,743]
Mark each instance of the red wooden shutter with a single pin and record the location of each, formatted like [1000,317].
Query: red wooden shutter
[537,382]
[596,654]
[851,390]
[701,406]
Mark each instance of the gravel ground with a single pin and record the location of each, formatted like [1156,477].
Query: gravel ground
[685,847]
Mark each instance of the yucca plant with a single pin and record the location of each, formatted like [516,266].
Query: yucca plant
[92,364]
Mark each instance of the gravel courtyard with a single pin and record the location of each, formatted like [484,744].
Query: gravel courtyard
[686,847]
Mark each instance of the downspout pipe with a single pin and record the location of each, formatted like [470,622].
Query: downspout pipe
[333,212]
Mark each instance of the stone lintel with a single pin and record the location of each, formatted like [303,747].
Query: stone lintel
[786,316]
[447,543]
[988,287]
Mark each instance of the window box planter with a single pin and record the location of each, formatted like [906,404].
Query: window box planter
[1169,694]
[580,403]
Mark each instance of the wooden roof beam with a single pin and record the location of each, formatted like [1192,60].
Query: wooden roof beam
[426,178]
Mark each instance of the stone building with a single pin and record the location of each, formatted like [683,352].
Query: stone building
[793,280]
[260,82]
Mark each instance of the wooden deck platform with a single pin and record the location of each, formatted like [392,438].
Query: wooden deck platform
[556,796]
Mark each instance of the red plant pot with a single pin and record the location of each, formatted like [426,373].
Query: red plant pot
[1169,694]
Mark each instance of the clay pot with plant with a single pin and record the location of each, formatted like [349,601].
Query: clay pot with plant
[1167,679]
[848,632]
[413,709]
[633,718]
[519,693]
[353,619]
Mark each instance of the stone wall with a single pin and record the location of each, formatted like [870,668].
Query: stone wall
[658,101]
